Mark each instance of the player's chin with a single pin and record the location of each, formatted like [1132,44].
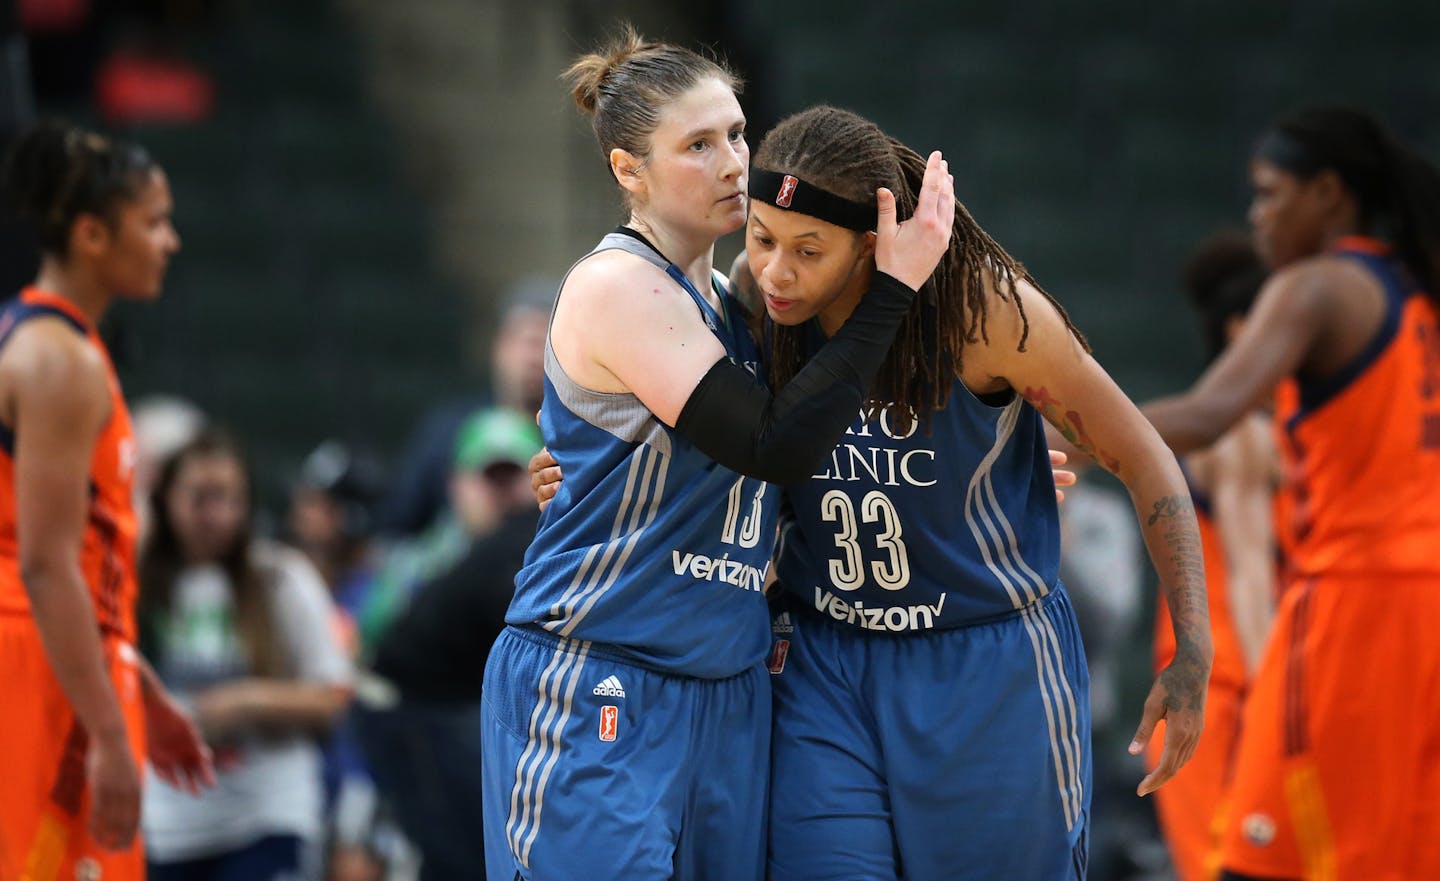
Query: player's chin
[730,217]
[146,292]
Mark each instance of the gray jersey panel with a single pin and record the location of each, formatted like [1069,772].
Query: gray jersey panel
[618,413]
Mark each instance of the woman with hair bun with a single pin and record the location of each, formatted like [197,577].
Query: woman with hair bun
[630,688]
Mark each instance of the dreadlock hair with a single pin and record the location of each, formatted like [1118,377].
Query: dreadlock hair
[162,561]
[1221,279]
[56,172]
[626,84]
[1397,189]
[850,156]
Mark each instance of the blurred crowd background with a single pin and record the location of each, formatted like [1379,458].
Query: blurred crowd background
[377,199]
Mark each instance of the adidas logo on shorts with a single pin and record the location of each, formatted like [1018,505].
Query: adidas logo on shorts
[611,687]
[782,624]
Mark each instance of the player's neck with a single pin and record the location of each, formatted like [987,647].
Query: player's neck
[75,285]
[695,256]
[1345,224]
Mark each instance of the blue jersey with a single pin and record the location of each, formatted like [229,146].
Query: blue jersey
[649,546]
[928,529]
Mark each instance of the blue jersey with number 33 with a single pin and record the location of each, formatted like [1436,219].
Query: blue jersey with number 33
[917,530]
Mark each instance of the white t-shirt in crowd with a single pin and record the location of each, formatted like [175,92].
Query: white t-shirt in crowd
[276,788]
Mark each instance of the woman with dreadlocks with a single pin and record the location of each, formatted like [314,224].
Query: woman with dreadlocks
[931,712]
[1339,755]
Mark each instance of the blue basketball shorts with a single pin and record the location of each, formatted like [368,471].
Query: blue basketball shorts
[595,768]
[955,754]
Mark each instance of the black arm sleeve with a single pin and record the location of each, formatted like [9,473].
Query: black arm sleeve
[782,438]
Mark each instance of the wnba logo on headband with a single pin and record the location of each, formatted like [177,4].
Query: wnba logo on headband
[787,191]
[793,194]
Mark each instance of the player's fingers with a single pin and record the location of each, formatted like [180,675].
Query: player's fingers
[927,203]
[946,208]
[1058,458]
[114,819]
[168,773]
[206,765]
[1153,713]
[1170,762]
[885,224]
[1059,496]
[1187,740]
[1065,478]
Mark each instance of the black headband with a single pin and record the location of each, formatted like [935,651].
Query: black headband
[793,194]
[1285,151]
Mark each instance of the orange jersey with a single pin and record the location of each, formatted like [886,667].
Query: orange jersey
[1286,405]
[44,796]
[1228,668]
[1339,757]
[1361,450]
[107,556]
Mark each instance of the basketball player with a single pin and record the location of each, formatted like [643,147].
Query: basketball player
[1232,483]
[931,705]
[630,687]
[80,703]
[1340,751]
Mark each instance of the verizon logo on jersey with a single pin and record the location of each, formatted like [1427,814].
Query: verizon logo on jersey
[703,568]
[894,618]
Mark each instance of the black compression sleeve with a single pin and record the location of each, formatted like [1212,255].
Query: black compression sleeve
[781,438]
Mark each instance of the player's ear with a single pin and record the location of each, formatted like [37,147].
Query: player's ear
[628,169]
[89,234]
[1328,188]
[867,245]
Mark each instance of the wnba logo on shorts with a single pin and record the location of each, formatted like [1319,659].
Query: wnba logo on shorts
[787,190]
[87,869]
[778,655]
[1259,830]
[609,723]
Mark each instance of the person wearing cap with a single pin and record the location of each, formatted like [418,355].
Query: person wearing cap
[418,712]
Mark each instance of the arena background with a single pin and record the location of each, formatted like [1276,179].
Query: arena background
[359,183]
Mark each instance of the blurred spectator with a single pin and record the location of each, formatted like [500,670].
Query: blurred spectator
[517,368]
[418,715]
[332,517]
[162,425]
[240,629]
[1101,566]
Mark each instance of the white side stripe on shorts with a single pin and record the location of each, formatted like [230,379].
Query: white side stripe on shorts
[1000,549]
[547,723]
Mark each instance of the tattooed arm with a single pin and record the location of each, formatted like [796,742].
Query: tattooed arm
[1075,395]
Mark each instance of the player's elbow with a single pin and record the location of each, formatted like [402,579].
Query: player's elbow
[40,567]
